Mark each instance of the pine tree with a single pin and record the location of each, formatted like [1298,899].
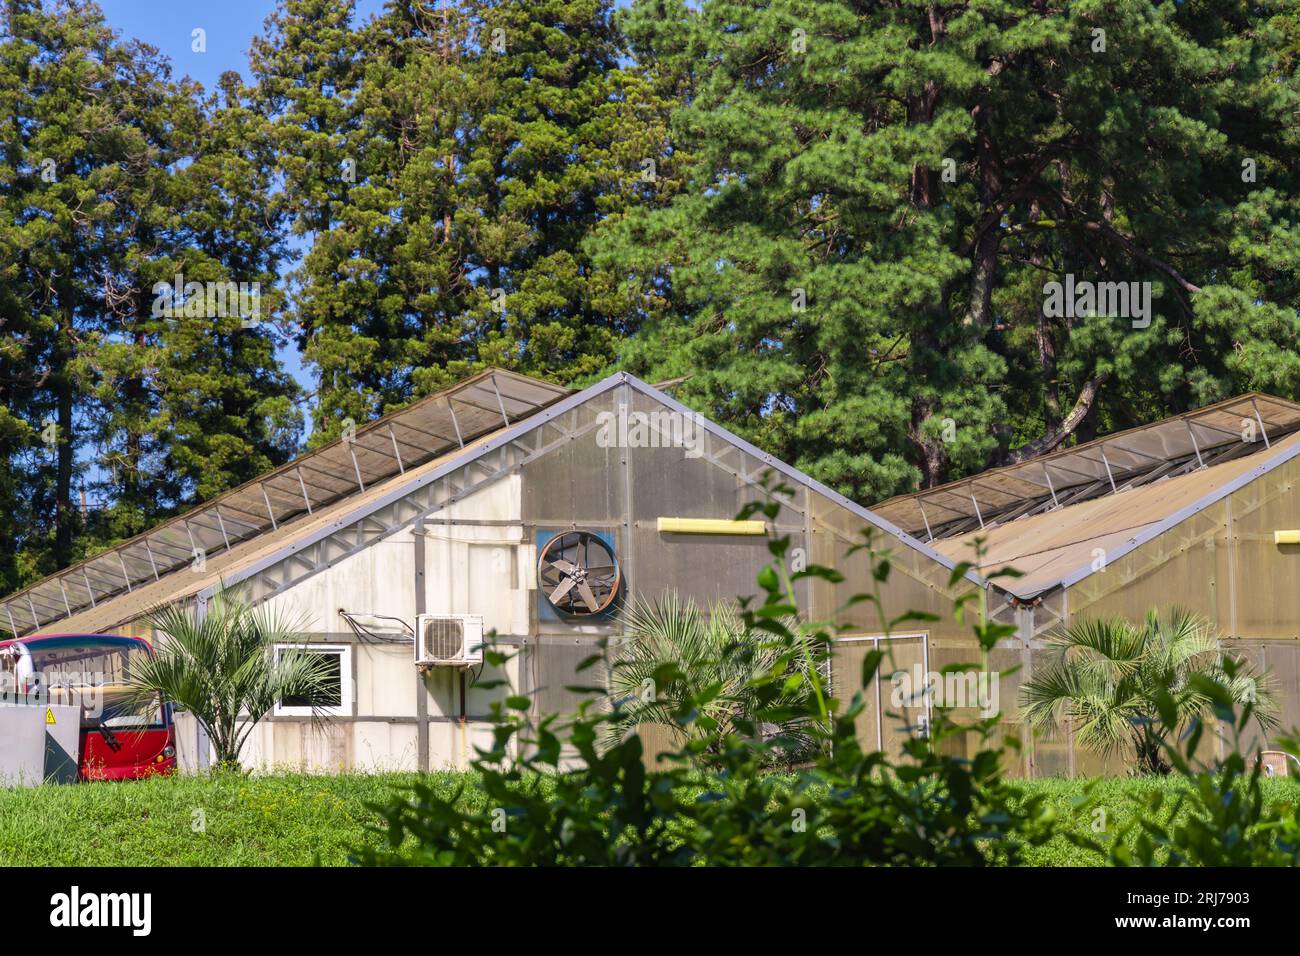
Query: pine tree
[20,327]
[567,140]
[879,194]
[75,133]
[308,67]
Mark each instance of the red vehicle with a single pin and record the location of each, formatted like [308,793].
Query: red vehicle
[117,742]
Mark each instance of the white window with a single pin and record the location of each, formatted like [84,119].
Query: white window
[336,701]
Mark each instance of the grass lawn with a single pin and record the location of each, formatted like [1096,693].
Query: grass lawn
[297,820]
[1118,797]
[282,820]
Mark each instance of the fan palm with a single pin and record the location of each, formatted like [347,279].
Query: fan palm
[1108,672]
[680,662]
[223,669]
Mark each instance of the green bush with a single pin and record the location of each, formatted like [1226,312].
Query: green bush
[1221,817]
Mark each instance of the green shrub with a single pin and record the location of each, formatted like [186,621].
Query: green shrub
[1221,817]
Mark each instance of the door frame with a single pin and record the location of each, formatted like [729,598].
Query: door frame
[875,639]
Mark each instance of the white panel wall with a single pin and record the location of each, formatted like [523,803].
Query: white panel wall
[378,580]
[470,568]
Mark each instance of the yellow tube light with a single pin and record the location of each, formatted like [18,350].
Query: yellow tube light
[1286,537]
[711,526]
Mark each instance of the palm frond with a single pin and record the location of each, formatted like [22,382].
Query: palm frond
[1104,675]
[720,670]
[221,666]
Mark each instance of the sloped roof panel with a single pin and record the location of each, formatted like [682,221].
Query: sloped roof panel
[1096,467]
[341,470]
[1059,545]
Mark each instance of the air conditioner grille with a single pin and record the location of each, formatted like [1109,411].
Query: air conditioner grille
[444,639]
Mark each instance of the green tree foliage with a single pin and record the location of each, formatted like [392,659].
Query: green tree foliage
[853,273]
[444,164]
[115,178]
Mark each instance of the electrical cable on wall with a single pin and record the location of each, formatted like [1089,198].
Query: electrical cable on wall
[368,635]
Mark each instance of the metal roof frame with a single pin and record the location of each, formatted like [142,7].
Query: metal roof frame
[1020,591]
[1172,439]
[1160,527]
[488,400]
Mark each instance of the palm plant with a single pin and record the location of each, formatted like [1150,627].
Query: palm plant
[1108,674]
[223,669]
[708,675]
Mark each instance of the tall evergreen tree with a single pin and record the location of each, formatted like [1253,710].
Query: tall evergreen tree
[446,164]
[116,179]
[880,193]
[20,326]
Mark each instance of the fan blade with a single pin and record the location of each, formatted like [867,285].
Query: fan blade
[562,590]
[590,599]
[564,566]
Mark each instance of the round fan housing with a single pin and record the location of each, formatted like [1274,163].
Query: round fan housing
[579,573]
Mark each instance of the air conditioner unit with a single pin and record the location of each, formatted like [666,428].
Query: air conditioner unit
[449,640]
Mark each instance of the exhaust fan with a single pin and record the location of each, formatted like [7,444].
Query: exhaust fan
[579,573]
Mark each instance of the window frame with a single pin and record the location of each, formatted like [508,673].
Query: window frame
[346,689]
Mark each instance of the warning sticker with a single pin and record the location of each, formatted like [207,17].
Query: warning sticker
[49,716]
